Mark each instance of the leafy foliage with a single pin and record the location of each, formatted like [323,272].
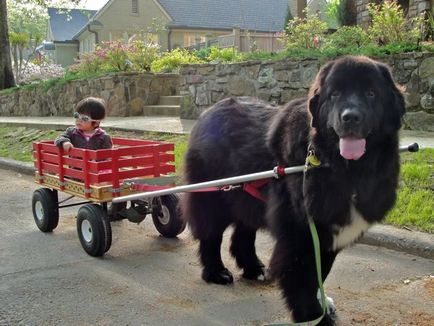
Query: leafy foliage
[117,56]
[348,36]
[223,55]
[172,61]
[389,25]
[142,55]
[306,33]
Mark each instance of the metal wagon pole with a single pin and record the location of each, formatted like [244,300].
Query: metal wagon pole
[206,184]
[231,181]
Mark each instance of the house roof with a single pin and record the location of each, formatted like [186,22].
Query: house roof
[65,23]
[254,15]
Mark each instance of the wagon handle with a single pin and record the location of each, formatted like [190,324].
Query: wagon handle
[230,181]
[410,148]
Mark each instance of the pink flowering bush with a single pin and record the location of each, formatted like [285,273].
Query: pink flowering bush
[87,63]
[117,56]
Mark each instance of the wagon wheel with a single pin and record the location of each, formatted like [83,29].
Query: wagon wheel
[166,216]
[45,208]
[94,230]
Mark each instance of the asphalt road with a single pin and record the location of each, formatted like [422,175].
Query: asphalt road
[47,279]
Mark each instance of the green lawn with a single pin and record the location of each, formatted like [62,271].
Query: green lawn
[414,208]
[415,205]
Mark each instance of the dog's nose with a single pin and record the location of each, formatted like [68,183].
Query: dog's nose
[351,116]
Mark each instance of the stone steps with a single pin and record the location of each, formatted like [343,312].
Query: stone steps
[162,110]
[170,100]
[167,106]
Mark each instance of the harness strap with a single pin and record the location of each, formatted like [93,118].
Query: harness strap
[252,188]
[147,187]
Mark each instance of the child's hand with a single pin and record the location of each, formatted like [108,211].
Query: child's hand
[67,146]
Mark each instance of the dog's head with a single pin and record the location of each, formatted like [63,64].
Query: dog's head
[355,97]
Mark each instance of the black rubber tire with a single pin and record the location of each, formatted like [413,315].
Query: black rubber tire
[168,220]
[45,208]
[94,230]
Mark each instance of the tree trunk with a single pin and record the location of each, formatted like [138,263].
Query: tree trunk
[6,75]
[301,5]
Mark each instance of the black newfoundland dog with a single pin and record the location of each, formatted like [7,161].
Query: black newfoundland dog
[350,121]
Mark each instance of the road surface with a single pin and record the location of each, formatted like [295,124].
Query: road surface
[144,279]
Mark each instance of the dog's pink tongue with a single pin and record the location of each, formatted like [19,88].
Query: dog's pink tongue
[352,148]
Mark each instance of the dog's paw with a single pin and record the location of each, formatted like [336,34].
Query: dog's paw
[261,274]
[331,308]
[223,276]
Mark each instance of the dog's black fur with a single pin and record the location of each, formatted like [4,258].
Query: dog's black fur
[351,97]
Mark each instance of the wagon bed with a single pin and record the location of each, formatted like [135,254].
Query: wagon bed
[100,175]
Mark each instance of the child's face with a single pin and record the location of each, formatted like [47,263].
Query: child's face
[84,122]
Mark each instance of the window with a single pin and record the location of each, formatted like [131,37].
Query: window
[135,7]
[193,39]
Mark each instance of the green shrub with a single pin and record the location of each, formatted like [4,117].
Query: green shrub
[171,61]
[203,53]
[348,36]
[389,25]
[223,55]
[306,33]
[141,55]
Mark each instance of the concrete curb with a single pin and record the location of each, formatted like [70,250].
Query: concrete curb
[17,166]
[412,242]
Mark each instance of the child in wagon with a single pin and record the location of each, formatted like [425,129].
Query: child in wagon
[87,132]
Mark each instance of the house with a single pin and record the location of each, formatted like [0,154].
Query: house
[182,22]
[171,23]
[63,24]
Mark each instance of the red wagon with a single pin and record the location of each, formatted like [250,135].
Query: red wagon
[99,176]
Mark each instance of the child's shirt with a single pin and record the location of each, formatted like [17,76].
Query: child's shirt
[98,140]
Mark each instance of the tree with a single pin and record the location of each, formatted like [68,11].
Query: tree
[7,79]
[27,27]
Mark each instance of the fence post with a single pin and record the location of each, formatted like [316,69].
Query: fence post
[237,38]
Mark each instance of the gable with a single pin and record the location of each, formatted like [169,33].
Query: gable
[253,15]
[64,25]
[118,16]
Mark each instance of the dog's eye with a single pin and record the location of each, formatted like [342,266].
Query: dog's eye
[370,93]
[335,94]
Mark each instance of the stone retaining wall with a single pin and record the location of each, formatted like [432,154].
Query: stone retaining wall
[125,94]
[204,85]
[281,81]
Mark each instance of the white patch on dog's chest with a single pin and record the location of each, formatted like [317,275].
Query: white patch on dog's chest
[349,233]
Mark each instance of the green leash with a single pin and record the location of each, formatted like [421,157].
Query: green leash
[316,246]
[312,161]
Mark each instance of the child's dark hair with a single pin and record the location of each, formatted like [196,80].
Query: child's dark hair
[93,106]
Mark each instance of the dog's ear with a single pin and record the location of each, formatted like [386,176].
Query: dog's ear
[394,104]
[314,92]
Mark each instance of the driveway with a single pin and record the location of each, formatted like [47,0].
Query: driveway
[47,279]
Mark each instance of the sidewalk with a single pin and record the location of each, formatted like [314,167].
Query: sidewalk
[412,242]
[169,125]
[139,123]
